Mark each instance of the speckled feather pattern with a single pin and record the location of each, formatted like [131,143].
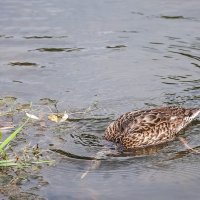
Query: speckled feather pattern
[149,127]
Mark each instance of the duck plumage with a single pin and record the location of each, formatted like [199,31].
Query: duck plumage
[144,128]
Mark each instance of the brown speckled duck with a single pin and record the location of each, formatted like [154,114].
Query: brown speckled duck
[144,128]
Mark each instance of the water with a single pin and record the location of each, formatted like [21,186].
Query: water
[111,56]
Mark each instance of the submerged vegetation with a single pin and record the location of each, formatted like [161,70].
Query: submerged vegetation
[22,123]
[31,138]
[23,161]
[12,112]
[21,157]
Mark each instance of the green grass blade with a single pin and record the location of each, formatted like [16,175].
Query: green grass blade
[12,136]
[13,163]
[7,161]
[43,161]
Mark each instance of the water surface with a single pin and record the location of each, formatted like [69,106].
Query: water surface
[112,57]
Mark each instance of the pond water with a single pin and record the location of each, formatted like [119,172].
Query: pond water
[106,57]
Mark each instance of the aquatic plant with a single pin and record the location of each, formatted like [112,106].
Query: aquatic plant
[23,161]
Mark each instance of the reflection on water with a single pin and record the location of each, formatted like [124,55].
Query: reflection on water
[113,57]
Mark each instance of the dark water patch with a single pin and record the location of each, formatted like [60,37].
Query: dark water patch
[172,38]
[151,48]
[159,43]
[17,81]
[196,65]
[187,55]
[182,42]
[184,48]
[125,37]
[180,100]
[173,17]
[180,79]
[25,64]
[150,104]
[125,31]
[59,49]
[38,37]
[169,83]
[51,49]
[190,81]
[6,36]
[116,46]
[193,88]
[62,36]
[167,56]
[136,13]
[43,37]
[177,78]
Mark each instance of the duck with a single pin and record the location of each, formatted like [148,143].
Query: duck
[144,128]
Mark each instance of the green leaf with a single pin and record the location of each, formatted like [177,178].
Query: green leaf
[11,137]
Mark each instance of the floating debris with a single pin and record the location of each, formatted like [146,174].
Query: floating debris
[32,116]
[58,118]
